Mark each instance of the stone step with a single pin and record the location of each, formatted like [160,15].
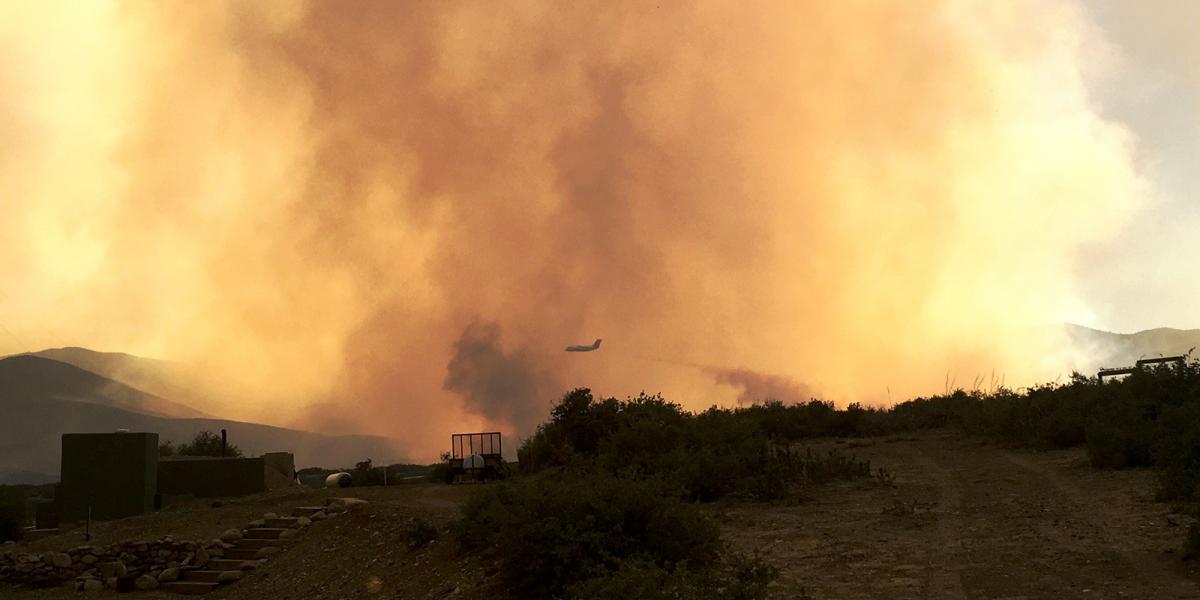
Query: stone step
[223,564]
[201,575]
[304,511]
[281,522]
[188,587]
[265,533]
[241,554]
[255,544]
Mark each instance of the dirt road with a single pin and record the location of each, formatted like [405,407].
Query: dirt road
[966,519]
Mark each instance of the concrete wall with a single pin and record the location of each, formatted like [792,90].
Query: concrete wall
[114,473]
[279,470]
[208,477]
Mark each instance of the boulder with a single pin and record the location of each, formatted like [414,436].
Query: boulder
[89,559]
[200,558]
[168,574]
[231,535]
[60,559]
[113,569]
[303,522]
[92,585]
[318,516]
[145,582]
[266,551]
[270,515]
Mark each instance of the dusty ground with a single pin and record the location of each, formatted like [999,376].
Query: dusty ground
[964,519]
[967,519]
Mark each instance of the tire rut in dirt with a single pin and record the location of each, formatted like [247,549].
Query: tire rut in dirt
[1023,536]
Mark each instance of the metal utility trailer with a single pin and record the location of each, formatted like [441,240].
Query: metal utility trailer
[476,456]
[1141,364]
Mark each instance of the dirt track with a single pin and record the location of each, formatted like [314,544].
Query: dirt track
[969,520]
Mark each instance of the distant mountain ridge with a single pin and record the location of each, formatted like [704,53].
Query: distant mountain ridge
[40,399]
[35,376]
[1108,349]
[159,377]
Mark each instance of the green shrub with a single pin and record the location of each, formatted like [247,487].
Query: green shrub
[418,533]
[552,533]
[739,578]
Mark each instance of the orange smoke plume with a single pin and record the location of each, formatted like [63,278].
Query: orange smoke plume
[379,209]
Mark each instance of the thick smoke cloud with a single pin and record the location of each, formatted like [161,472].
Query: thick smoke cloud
[311,203]
[506,388]
[758,387]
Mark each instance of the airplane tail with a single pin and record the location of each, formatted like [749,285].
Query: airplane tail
[596,344]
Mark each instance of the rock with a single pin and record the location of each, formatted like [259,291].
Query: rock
[345,503]
[168,574]
[229,576]
[250,565]
[145,582]
[266,551]
[303,522]
[270,515]
[318,516]
[89,559]
[287,533]
[92,585]
[256,524]
[201,557]
[111,583]
[231,535]
[113,569]
[60,559]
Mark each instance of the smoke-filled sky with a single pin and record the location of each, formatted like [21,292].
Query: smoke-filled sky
[396,215]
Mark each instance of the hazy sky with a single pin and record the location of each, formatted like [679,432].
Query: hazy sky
[395,215]
[1148,275]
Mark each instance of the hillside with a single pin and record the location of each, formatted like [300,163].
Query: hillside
[32,376]
[41,399]
[1107,349]
[32,428]
[159,377]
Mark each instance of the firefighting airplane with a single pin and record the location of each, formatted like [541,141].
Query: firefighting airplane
[595,345]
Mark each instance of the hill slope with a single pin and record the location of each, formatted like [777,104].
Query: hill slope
[30,436]
[41,399]
[159,377]
[32,376]
[1109,349]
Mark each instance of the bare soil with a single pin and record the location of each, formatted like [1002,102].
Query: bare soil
[967,519]
[960,518]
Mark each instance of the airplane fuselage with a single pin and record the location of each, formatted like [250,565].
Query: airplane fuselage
[595,346]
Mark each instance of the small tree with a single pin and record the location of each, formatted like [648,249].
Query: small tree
[207,443]
[166,449]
